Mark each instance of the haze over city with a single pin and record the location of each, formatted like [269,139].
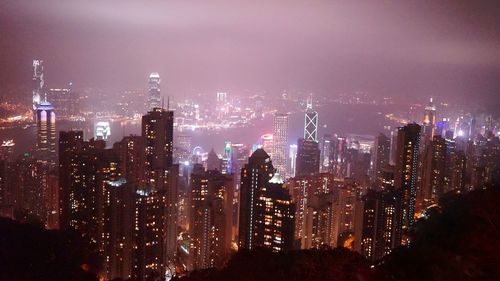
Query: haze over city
[249,140]
[445,49]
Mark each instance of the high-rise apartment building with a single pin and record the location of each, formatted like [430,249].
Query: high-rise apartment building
[118,228]
[84,168]
[266,209]
[162,176]
[210,218]
[308,194]
[275,217]
[379,231]
[158,130]
[149,253]
[254,178]
[433,171]
[405,176]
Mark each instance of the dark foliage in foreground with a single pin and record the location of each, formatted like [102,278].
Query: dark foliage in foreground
[29,252]
[338,264]
[459,241]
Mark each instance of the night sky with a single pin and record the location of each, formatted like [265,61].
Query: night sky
[445,49]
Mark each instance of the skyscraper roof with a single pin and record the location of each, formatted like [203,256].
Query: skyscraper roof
[45,105]
[260,153]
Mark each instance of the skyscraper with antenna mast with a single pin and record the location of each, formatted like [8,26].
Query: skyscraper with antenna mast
[311,122]
[38,83]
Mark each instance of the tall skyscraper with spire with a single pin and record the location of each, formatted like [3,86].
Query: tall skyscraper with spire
[154,98]
[38,83]
[311,122]
[308,152]
[280,134]
[46,133]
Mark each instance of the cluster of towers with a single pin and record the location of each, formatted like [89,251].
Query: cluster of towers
[149,215]
[123,198]
[366,195]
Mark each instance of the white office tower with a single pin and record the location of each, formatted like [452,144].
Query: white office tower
[280,142]
[154,99]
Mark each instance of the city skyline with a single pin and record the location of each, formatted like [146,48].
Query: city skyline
[419,62]
[277,140]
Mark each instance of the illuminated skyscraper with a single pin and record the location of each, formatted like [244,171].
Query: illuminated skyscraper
[158,130]
[70,143]
[405,176]
[84,168]
[161,175]
[311,123]
[254,177]
[38,83]
[46,133]
[266,209]
[275,217]
[149,235]
[280,142]
[154,99]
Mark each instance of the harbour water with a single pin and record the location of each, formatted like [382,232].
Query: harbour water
[338,119]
